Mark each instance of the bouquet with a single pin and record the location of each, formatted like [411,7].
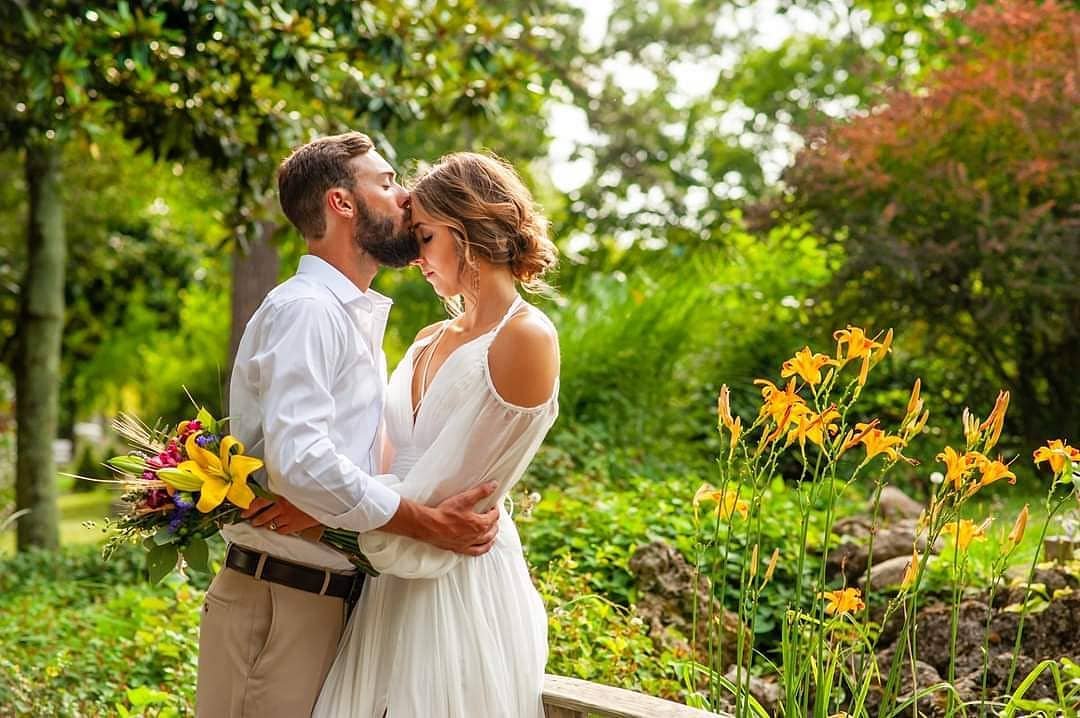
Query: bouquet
[182,485]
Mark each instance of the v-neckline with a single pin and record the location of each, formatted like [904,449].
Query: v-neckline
[418,406]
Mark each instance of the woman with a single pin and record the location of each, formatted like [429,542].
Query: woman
[440,635]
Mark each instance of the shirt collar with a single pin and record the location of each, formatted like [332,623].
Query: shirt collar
[347,293]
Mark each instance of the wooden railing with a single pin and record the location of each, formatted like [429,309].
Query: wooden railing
[573,698]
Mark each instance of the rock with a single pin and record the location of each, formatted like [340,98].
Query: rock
[888,573]
[667,592]
[895,504]
[1052,579]
[767,693]
[854,527]
[851,557]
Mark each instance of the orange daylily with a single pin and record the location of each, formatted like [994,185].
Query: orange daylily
[1057,453]
[993,471]
[845,600]
[778,404]
[814,426]
[965,531]
[958,465]
[727,502]
[806,364]
[858,344]
[877,442]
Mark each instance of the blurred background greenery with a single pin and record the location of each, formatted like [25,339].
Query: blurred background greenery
[727,182]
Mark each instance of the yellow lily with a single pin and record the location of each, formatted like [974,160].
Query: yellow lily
[782,406]
[813,426]
[224,476]
[846,600]
[858,344]
[992,471]
[1057,453]
[877,442]
[806,364]
[727,502]
[957,465]
[965,532]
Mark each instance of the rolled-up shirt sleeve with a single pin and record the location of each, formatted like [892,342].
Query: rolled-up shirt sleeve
[294,366]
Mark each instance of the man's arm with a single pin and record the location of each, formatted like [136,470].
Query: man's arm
[453,525]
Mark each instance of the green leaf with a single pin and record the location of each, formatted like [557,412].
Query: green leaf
[164,537]
[143,696]
[197,555]
[160,562]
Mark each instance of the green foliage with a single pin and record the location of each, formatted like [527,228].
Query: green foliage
[81,636]
[595,639]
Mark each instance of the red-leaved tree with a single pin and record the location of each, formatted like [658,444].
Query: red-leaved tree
[958,206]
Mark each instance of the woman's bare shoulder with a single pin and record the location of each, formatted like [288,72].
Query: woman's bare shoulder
[524,359]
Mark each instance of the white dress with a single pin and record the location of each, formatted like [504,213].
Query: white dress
[440,635]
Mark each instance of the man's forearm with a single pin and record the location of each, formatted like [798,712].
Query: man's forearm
[411,519]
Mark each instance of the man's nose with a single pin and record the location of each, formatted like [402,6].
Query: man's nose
[402,197]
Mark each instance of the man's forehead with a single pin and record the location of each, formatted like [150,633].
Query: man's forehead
[372,163]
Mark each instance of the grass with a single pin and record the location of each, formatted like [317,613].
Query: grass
[75,510]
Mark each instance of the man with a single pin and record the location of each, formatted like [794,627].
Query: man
[306,393]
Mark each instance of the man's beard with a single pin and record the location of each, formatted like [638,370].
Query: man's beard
[387,245]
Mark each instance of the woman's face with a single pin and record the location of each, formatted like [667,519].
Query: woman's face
[439,259]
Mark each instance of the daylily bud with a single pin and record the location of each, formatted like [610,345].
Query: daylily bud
[912,571]
[1017,533]
[771,568]
[885,348]
[915,403]
[971,427]
[754,562]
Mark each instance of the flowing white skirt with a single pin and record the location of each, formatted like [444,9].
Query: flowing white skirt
[469,644]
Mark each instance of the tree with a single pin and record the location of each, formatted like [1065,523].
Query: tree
[235,85]
[958,207]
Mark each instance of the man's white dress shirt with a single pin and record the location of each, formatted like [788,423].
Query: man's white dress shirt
[306,395]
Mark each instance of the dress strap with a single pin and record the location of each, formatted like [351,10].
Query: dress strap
[511,312]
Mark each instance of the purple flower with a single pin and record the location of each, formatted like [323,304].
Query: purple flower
[205,439]
[183,508]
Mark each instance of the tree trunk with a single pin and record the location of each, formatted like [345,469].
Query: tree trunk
[254,274]
[37,363]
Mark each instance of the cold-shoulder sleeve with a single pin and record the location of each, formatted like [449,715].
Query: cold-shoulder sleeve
[486,439]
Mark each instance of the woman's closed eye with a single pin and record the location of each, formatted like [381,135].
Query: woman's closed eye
[426,239]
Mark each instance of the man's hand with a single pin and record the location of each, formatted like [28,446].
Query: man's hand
[279,516]
[453,525]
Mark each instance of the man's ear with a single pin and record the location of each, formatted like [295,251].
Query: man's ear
[340,202]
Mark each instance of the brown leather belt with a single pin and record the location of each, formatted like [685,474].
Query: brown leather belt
[265,567]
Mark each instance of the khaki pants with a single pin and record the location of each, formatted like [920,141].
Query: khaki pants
[264,648]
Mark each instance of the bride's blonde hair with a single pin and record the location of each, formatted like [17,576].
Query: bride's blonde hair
[492,213]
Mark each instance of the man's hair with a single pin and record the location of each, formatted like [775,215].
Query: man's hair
[310,171]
